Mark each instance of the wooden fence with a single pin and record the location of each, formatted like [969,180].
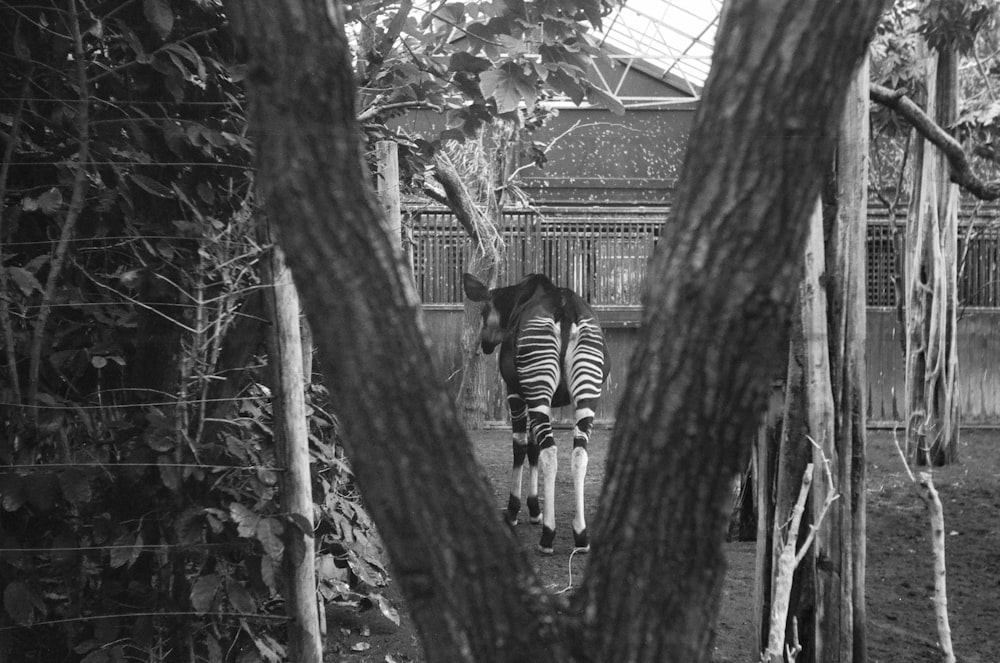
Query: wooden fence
[602,254]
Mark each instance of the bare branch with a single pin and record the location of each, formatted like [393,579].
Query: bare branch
[961,170]
[8,330]
[72,214]
[375,108]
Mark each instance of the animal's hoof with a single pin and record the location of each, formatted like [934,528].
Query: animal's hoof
[534,510]
[513,506]
[548,538]
[581,541]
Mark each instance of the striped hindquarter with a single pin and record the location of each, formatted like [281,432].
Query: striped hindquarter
[552,353]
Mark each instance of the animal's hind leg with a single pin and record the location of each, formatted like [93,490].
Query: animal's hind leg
[534,508]
[578,465]
[519,424]
[541,427]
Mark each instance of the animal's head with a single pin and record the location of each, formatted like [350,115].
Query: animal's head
[492,332]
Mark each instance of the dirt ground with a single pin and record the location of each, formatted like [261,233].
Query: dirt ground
[901,625]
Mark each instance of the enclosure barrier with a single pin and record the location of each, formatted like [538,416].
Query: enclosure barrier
[601,252]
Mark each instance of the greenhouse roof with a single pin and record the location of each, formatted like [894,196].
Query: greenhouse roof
[673,37]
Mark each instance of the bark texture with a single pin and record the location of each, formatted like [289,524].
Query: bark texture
[717,299]
[717,304]
[470,589]
[931,264]
[846,244]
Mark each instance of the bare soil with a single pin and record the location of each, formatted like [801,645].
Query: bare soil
[901,626]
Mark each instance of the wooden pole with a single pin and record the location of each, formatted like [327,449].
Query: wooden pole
[291,435]
[387,187]
[846,259]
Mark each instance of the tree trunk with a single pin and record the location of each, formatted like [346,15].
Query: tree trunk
[794,453]
[473,388]
[846,246]
[825,403]
[932,414]
[720,282]
[719,290]
[469,173]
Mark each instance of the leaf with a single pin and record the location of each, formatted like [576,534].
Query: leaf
[300,522]
[97,656]
[160,15]
[48,203]
[12,491]
[203,592]
[272,650]
[170,475]
[269,531]
[190,526]
[245,519]
[463,61]
[599,97]
[150,185]
[25,280]
[385,607]
[508,86]
[240,598]
[75,486]
[21,50]
[126,549]
[21,602]
[268,573]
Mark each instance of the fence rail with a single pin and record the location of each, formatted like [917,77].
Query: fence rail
[601,252]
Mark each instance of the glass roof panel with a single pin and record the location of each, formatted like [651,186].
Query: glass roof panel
[674,37]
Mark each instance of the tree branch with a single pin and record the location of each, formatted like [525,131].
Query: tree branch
[375,108]
[8,330]
[961,170]
[457,196]
[72,214]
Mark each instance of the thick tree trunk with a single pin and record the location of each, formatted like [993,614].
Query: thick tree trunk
[932,414]
[470,589]
[720,282]
[718,299]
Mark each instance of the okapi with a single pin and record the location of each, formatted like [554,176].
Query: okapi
[552,353]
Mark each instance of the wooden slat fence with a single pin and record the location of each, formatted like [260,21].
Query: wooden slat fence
[598,252]
[602,254]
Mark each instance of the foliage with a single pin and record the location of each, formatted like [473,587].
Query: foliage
[126,253]
[474,63]
[955,23]
[970,28]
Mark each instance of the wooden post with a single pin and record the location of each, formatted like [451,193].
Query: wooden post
[291,435]
[846,259]
[387,187]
